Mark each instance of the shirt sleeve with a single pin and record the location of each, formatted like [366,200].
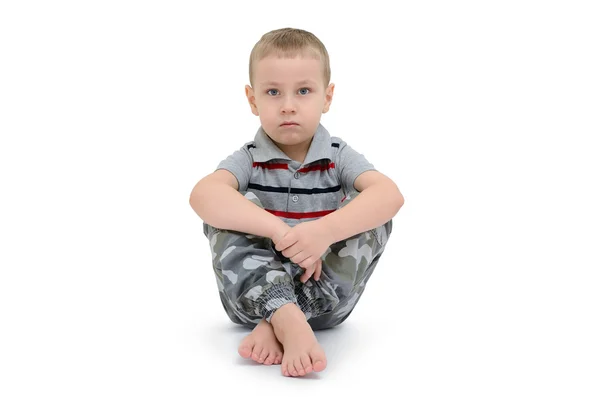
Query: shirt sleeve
[239,163]
[350,164]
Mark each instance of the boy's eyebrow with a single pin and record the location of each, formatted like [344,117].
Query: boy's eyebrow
[298,83]
[307,82]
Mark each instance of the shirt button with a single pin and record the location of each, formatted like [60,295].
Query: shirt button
[296,175]
[295,199]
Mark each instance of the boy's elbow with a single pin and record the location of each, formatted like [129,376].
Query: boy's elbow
[196,194]
[192,199]
[399,200]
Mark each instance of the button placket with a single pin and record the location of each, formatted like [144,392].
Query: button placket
[295,197]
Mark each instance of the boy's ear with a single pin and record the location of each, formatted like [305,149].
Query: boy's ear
[328,97]
[251,100]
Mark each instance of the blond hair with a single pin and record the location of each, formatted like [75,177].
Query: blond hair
[289,43]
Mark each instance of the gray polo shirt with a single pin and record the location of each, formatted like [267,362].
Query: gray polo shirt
[292,191]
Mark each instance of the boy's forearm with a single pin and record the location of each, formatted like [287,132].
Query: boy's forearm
[223,207]
[371,208]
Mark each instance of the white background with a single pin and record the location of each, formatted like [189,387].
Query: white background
[484,113]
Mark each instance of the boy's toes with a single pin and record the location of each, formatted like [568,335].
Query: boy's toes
[263,356]
[319,362]
[245,350]
[299,367]
[319,365]
[269,360]
[285,369]
[256,353]
[291,369]
[305,360]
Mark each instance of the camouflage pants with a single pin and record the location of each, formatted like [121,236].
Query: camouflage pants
[254,279]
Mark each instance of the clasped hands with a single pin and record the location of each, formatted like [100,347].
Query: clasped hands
[304,244]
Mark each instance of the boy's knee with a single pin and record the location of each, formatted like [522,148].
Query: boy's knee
[383,232]
[209,230]
[348,198]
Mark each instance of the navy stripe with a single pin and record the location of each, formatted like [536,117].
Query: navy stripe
[317,190]
[335,144]
[262,188]
[251,146]
[293,190]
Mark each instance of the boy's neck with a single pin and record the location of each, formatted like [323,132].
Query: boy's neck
[299,157]
[296,153]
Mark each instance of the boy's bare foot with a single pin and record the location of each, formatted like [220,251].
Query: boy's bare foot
[262,345]
[302,353]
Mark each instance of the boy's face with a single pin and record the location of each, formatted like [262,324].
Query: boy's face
[289,96]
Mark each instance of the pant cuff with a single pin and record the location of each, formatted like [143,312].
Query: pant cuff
[309,307]
[273,298]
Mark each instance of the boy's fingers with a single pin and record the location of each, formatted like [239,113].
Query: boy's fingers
[282,246]
[307,273]
[300,259]
[309,269]
[306,263]
[318,269]
[313,270]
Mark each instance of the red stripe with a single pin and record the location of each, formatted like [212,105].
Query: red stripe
[300,215]
[276,166]
[323,167]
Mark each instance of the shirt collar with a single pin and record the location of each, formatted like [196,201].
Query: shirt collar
[320,147]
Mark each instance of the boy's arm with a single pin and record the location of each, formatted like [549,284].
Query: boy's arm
[379,200]
[216,200]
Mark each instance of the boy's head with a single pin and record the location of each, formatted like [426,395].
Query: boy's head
[289,86]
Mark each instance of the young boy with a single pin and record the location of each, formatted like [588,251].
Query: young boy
[296,219]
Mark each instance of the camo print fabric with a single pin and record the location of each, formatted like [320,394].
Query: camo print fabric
[254,279]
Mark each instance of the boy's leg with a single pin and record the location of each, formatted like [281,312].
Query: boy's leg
[347,266]
[255,286]
[252,282]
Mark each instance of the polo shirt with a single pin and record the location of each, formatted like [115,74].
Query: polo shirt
[293,191]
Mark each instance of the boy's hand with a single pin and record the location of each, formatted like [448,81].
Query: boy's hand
[312,270]
[281,231]
[304,244]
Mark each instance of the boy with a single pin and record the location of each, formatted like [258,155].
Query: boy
[296,219]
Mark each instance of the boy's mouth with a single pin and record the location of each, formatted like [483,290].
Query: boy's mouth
[288,124]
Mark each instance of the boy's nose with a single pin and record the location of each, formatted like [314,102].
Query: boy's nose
[288,106]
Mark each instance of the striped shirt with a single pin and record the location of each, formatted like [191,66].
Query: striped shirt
[292,191]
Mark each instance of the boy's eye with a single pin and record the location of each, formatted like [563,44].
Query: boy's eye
[304,91]
[272,92]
